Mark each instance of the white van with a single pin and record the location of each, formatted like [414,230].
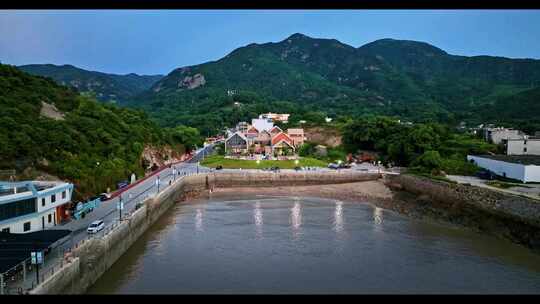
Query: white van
[96,227]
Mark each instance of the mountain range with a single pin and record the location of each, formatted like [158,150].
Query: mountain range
[105,87]
[313,77]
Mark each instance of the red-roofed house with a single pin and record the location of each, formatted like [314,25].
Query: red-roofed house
[275,130]
[282,144]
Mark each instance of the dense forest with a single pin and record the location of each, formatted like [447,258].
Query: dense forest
[425,147]
[302,75]
[313,78]
[89,143]
[103,86]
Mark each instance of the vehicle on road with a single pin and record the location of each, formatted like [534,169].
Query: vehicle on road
[486,174]
[297,168]
[96,227]
[220,167]
[122,184]
[333,166]
[344,166]
[105,196]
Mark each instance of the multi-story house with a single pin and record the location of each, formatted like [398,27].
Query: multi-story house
[33,205]
[524,146]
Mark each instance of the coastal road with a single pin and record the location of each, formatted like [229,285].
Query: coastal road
[149,186]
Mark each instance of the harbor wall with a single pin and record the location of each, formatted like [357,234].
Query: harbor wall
[504,215]
[90,259]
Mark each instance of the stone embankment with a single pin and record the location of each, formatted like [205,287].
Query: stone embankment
[91,259]
[513,217]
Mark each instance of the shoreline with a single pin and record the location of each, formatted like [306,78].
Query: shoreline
[379,193]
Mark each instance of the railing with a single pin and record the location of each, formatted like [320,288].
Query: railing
[22,277]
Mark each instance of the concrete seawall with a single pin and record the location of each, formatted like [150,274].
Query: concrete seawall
[503,215]
[89,261]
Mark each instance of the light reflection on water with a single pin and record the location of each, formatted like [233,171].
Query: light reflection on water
[378,217]
[296,218]
[199,220]
[338,217]
[258,218]
[335,247]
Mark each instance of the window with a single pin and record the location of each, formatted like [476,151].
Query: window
[53,198]
[5,230]
[63,194]
[18,208]
[525,150]
[42,202]
[26,226]
[525,142]
[50,218]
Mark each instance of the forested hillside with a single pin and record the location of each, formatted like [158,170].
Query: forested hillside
[103,86]
[318,77]
[52,128]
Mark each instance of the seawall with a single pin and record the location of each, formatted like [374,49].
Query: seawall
[508,216]
[91,259]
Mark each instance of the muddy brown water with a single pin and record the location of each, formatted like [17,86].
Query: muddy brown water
[289,245]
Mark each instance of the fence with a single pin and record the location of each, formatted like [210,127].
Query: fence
[22,277]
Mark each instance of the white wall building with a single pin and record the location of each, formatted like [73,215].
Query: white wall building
[525,146]
[497,135]
[525,168]
[262,124]
[275,117]
[32,205]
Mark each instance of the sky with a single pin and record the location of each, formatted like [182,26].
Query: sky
[158,41]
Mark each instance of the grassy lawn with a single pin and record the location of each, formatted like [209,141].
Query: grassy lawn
[216,160]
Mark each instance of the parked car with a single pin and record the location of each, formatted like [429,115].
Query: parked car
[220,167]
[105,196]
[333,166]
[122,184]
[344,166]
[486,174]
[96,227]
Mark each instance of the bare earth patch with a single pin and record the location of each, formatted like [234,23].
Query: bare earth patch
[50,111]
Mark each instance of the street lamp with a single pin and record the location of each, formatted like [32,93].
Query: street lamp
[120,207]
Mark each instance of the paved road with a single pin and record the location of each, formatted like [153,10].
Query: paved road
[529,190]
[108,211]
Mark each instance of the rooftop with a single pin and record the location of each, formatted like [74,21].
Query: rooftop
[516,159]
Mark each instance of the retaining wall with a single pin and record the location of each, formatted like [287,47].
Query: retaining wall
[513,217]
[95,256]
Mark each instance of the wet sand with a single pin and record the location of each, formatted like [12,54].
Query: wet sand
[375,191]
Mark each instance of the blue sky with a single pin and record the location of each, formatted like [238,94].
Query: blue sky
[157,41]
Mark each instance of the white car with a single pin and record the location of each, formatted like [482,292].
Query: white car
[96,227]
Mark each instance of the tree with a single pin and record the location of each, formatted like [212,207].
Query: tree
[429,161]
[189,136]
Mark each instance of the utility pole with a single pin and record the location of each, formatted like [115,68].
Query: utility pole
[120,206]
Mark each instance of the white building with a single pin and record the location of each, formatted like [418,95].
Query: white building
[524,146]
[525,168]
[262,124]
[497,135]
[33,205]
[275,117]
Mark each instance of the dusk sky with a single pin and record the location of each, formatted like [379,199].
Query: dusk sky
[156,41]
